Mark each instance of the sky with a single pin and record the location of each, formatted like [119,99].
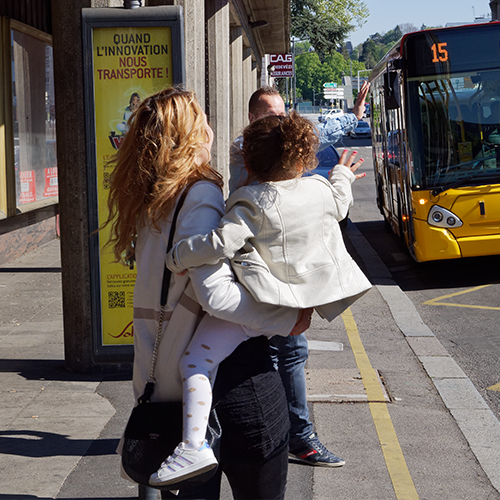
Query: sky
[385,15]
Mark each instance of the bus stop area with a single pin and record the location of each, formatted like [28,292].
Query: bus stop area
[384,395]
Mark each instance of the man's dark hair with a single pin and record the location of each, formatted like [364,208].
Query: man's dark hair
[254,99]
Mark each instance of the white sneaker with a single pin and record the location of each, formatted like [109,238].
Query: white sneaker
[184,464]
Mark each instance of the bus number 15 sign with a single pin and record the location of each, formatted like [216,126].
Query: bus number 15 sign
[439,52]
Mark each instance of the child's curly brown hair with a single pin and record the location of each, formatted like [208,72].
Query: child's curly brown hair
[277,148]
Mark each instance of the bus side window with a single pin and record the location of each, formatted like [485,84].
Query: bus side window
[392,95]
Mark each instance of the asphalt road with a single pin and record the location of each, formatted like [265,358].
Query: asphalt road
[459,299]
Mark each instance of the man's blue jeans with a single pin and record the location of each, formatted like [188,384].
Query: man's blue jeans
[289,356]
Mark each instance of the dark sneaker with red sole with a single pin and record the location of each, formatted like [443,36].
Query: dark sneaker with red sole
[313,452]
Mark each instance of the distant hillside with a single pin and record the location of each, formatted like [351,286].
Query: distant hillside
[376,46]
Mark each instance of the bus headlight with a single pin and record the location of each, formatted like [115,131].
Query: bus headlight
[437,217]
[441,217]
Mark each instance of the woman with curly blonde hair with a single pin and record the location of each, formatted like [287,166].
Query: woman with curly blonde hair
[167,148]
[165,152]
[284,241]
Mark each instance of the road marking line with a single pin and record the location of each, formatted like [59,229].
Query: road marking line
[393,455]
[460,305]
[435,302]
[495,387]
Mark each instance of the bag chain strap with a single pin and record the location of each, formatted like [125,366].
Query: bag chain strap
[159,333]
[163,301]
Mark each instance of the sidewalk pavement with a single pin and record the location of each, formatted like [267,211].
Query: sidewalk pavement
[384,395]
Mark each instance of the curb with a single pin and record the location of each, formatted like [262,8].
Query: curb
[472,414]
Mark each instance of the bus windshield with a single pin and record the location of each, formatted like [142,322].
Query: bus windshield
[455,129]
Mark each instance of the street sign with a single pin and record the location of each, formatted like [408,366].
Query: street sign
[330,85]
[283,65]
[333,93]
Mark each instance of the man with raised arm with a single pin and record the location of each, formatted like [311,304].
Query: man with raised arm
[291,353]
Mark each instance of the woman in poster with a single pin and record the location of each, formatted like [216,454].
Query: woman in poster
[134,102]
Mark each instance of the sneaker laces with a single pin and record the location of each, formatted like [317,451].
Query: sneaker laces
[318,445]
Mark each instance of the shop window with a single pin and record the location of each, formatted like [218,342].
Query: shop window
[34,123]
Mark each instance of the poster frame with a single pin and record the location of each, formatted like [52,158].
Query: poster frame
[143,17]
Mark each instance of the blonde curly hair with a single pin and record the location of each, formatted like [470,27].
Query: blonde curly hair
[155,163]
[279,147]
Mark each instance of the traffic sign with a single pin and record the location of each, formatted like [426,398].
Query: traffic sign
[330,85]
[283,65]
[337,93]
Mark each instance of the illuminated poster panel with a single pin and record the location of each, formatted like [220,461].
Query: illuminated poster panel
[131,54]
[129,64]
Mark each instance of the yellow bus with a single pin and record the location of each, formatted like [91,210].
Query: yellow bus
[435,116]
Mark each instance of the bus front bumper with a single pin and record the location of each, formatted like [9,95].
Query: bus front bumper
[436,243]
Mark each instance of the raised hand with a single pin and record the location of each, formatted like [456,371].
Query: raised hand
[349,162]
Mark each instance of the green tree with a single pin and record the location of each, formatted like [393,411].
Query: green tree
[301,47]
[308,69]
[370,53]
[377,45]
[312,73]
[326,23]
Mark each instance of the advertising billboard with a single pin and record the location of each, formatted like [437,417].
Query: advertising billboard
[128,55]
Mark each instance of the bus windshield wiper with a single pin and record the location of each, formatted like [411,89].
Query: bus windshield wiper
[464,181]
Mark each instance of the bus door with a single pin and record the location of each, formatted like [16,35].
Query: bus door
[390,140]
[388,170]
[400,200]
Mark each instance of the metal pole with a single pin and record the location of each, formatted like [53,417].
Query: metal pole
[294,90]
[132,4]
[362,71]
[494,6]
[287,93]
[147,493]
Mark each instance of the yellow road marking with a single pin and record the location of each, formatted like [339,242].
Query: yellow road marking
[437,300]
[393,455]
[495,387]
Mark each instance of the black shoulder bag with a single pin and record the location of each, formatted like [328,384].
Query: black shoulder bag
[155,429]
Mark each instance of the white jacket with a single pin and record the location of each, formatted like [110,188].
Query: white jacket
[285,243]
[212,288]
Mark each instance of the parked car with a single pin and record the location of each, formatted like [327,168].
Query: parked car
[327,159]
[332,113]
[362,130]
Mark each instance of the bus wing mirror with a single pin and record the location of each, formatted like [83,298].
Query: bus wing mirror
[392,96]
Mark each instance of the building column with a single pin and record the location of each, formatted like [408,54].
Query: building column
[238,104]
[248,85]
[194,34]
[72,173]
[218,98]
[256,76]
